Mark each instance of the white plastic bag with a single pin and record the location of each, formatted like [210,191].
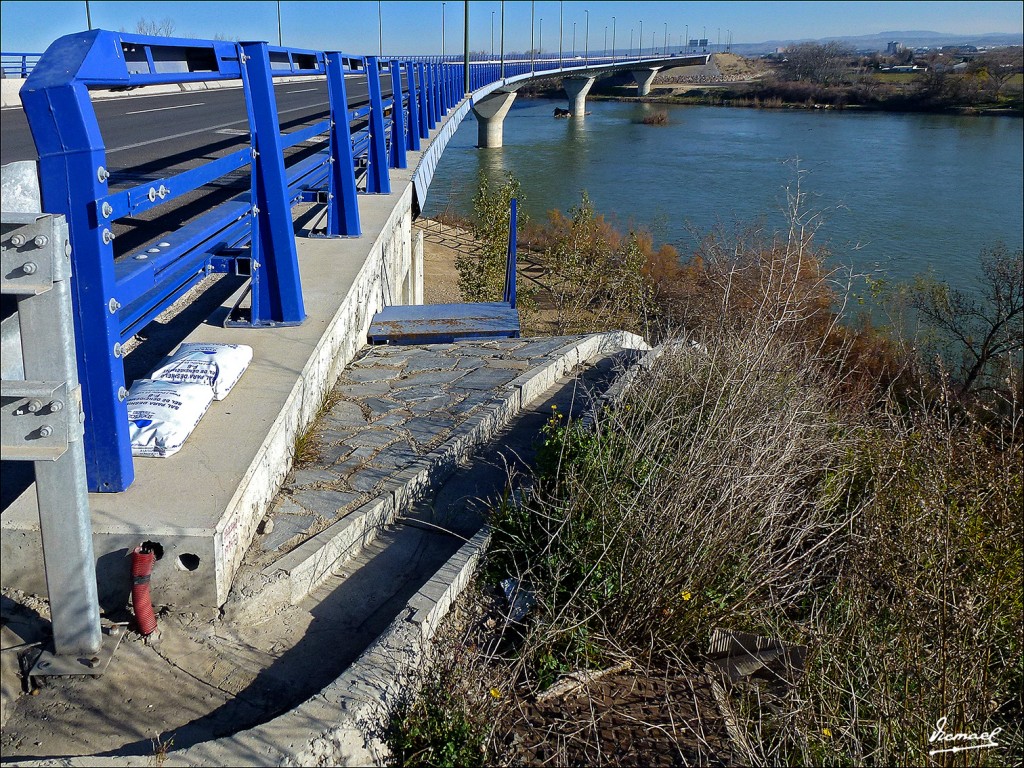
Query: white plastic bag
[162,414]
[218,366]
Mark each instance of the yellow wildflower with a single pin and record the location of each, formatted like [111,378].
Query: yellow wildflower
[495,693]
[826,732]
[687,595]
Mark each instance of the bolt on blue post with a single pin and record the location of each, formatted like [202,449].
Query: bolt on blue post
[377,179]
[342,198]
[276,288]
[398,137]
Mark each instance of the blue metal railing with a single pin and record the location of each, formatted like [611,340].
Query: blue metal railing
[116,292]
[18,65]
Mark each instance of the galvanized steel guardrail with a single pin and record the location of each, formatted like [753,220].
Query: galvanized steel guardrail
[115,294]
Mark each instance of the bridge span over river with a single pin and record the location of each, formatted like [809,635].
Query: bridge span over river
[283,224]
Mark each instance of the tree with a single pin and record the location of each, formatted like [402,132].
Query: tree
[999,65]
[163,28]
[980,335]
[824,64]
[482,272]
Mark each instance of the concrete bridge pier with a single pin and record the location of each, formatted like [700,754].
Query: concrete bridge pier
[577,88]
[490,113]
[644,78]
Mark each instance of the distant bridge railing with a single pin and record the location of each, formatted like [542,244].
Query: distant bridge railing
[117,291]
[18,65]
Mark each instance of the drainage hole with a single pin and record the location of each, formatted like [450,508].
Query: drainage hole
[187,561]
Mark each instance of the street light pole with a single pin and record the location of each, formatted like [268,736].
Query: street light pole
[380,33]
[687,43]
[88,15]
[613,38]
[573,54]
[533,51]
[279,37]
[442,30]
[640,42]
[502,38]
[664,50]
[604,50]
[559,34]
[586,38]
[492,35]
[540,37]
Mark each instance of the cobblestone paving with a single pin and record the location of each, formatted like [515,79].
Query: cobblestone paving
[391,407]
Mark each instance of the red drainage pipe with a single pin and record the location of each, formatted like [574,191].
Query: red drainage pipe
[143,558]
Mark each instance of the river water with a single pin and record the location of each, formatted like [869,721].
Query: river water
[897,193]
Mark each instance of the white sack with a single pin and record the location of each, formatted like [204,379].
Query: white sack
[162,414]
[218,366]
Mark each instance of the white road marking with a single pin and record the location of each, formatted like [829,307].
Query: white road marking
[161,109]
[303,90]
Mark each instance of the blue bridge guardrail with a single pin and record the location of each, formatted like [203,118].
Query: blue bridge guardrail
[115,294]
[18,65]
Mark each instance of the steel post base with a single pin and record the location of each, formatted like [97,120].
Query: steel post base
[49,664]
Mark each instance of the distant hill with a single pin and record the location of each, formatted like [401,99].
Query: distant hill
[878,41]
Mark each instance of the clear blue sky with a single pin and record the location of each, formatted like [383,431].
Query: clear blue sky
[415,27]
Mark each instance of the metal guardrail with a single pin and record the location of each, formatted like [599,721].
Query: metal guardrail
[18,65]
[115,294]
[41,411]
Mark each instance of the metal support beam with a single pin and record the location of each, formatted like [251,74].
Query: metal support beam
[342,201]
[276,289]
[415,98]
[425,99]
[398,138]
[377,179]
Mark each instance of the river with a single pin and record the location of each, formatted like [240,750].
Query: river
[898,194]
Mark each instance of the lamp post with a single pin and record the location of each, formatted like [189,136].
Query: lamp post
[664,50]
[88,16]
[613,38]
[573,54]
[492,35]
[279,37]
[502,40]
[640,42]
[380,33]
[630,43]
[442,30]
[586,39]
[533,51]
[559,34]
[540,38]
[604,50]
[687,43]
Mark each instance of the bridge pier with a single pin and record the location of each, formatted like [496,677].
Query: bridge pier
[490,113]
[577,88]
[644,78]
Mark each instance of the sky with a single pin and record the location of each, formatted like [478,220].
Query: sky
[416,27]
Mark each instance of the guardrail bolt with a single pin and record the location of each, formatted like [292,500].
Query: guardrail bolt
[117,349]
[113,305]
[29,268]
[122,394]
[108,237]
[40,241]
[45,431]
[102,173]
[17,240]
[56,406]
[34,406]
[107,209]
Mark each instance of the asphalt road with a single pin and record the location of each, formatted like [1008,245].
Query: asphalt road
[152,137]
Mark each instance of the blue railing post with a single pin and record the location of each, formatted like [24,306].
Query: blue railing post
[377,179]
[435,95]
[510,258]
[276,289]
[73,175]
[342,199]
[414,107]
[425,122]
[398,137]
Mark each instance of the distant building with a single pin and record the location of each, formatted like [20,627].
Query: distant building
[894,47]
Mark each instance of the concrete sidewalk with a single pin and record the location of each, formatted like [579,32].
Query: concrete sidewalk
[370,542]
